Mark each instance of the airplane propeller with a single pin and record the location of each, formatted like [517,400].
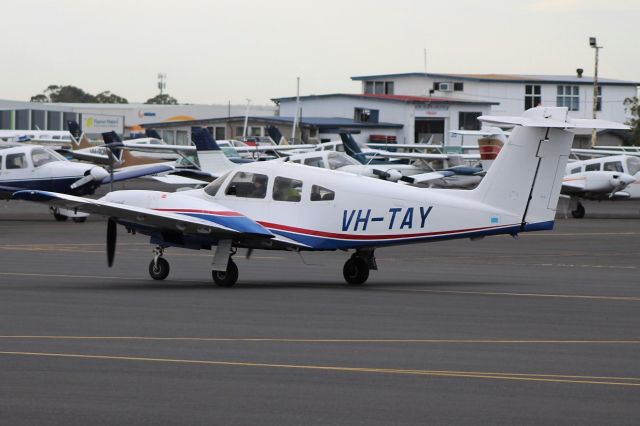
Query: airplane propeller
[620,182]
[95,174]
[111,240]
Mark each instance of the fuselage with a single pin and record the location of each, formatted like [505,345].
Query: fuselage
[327,210]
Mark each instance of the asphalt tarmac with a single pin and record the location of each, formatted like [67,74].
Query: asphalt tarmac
[543,329]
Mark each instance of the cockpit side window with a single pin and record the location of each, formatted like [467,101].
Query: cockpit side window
[16,161]
[314,162]
[248,185]
[576,170]
[613,166]
[286,189]
[320,193]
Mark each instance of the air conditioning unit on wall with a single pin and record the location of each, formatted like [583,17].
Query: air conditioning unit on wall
[445,87]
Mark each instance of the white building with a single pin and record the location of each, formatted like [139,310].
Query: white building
[121,118]
[420,117]
[512,93]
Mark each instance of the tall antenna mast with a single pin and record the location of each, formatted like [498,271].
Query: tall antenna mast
[162,82]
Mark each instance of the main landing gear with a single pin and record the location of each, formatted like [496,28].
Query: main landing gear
[579,212]
[356,268]
[159,267]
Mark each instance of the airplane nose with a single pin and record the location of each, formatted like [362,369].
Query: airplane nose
[622,180]
[99,173]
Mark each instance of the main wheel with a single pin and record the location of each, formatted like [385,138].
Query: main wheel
[579,212]
[355,271]
[60,217]
[80,219]
[226,278]
[159,270]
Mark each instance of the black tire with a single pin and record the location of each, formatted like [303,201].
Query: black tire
[355,271]
[579,212]
[60,217]
[159,270]
[226,278]
[79,219]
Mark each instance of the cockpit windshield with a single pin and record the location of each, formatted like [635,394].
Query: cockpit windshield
[41,156]
[633,165]
[213,187]
[337,160]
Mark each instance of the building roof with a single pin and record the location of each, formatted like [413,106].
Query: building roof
[319,122]
[392,98]
[506,78]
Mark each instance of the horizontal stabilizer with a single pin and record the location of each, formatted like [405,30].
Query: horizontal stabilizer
[554,117]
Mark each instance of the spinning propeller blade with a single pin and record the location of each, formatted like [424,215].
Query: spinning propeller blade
[111,241]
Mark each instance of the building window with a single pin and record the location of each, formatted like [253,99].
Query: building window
[458,86]
[221,133]
[532,96]
[239,131]
[469,120]
[569,96]
[255,131]
[599,99]
[365,115]
[38,119]
[54,120]
[378,87]
[182,137]
[22,119]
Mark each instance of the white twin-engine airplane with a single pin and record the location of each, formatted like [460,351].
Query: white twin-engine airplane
[285,206]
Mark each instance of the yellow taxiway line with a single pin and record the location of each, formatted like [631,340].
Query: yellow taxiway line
[353,341]
[573,379]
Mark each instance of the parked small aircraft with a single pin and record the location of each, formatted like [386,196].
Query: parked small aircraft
[41,168]
[285,206]
[607,178]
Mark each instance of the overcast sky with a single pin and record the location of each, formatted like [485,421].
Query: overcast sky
[218,50]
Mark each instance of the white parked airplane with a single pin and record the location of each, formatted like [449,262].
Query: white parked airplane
[285,206]
[41,168]
[607,178]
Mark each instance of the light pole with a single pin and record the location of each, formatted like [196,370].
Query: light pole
[593,43]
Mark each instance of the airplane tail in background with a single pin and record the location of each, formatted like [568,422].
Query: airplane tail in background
[152,133]
[526,177]
[78,138]
[351,148]
[211,158]
[275,134]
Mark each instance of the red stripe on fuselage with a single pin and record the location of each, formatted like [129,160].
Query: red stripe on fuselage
[372,237]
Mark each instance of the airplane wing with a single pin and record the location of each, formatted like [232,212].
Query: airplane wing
[147,218]
[603,152]
[138,171]
[572,186]
[425,156]
[7,191]
[177,180]
[426,177]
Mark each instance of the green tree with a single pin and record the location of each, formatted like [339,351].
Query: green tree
[632,105]
[39,98]
[68,94]
[163,99]
[107,97]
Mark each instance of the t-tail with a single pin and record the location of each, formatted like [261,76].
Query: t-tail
[211,158]
[526,177]
[275,134]
[351,148]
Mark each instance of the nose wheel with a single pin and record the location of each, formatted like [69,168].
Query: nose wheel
[356,270]
[159,267]
[579,212]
